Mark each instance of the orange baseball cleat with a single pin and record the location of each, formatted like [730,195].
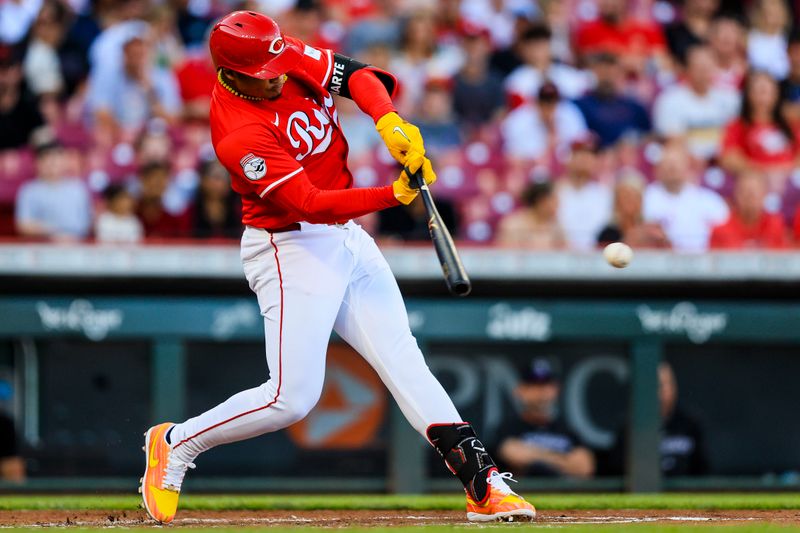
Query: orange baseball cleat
[163,475]
[502,503]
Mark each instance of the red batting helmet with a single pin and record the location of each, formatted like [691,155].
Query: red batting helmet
[252,44]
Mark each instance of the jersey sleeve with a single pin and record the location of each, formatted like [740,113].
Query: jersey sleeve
[333,71]
[316,62]
[256,160]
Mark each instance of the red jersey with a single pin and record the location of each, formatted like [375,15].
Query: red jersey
[267,143]
[768,232]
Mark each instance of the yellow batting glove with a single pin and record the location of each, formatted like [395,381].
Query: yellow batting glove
[403,140]
[427,172]
[403,190]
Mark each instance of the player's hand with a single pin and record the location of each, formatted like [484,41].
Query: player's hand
[427,173]
[404,190]
[403,140]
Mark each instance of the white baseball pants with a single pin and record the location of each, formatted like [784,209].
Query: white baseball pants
[308,282]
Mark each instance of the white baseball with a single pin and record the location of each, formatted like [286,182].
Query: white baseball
[618,254]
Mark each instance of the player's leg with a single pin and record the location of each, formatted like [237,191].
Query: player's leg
[299,281]
[374,321]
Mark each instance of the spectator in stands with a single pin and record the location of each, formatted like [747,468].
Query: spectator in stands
[436,120]
[627,223]
[726,40]
[695,111]
[761,137]
[122,100]
[538,442]
[156,220]
[790,87]
[478,96]
[766,42]
[608,113]
[584,204]
[535,226]
[538,67]
[196,78]
[533,131]
[118,223]
[615,31]
[421,58]
[503,19]
[166,47]
[42,65]
[379,27]
[749,225]
[53,206]
[693,28]
[19,108]
[16,17]
[216,211]
[685,211]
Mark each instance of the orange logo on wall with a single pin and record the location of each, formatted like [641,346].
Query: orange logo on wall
[351,408]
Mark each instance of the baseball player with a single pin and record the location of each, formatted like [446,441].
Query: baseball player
[275,129]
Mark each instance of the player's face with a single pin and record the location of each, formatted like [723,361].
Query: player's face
[269,89]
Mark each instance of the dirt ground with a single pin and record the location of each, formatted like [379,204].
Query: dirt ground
[380,518]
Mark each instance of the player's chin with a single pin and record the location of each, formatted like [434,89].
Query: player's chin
[274,93]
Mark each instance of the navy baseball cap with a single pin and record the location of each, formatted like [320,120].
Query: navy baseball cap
[540,371]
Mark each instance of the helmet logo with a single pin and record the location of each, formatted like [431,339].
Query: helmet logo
[277,45]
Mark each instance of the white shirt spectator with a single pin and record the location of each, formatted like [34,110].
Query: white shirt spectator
[525,135]
[686,217]
[525,81]
[127,100]
[111,227]
[767,52]
[499,20]
[62,206]
[679,111]
[583,211]
[42,69]
[16,18]
[106,50]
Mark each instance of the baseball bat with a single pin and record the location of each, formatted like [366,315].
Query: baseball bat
[454,274]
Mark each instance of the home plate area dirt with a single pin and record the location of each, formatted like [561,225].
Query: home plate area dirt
[369,518]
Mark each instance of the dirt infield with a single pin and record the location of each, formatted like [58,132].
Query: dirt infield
[337,519]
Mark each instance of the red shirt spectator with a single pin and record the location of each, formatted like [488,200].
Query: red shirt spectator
[761,138]
[623,37]
[763,144]
[196,78]
[748,225]
[768,231]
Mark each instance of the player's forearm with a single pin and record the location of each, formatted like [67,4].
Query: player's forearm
[328,206]
[325,207]
[370,94]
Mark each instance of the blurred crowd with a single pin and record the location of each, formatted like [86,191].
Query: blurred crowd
[553,124]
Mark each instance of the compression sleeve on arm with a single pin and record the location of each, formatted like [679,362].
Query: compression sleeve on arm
[319,206]
[370,94]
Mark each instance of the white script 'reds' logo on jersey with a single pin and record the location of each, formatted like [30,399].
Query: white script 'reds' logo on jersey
[312,138]
[254,167]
